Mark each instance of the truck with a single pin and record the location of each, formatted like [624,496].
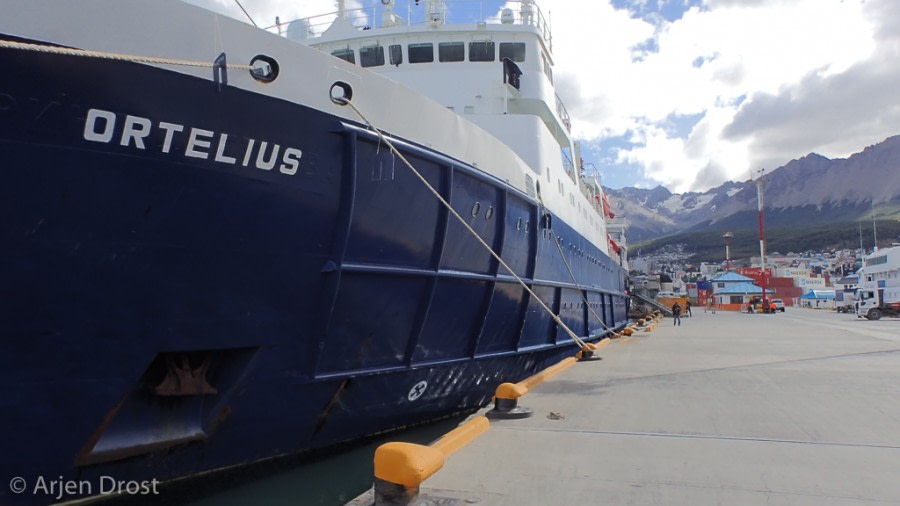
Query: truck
[878,293]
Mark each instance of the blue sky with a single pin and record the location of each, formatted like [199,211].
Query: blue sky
[689,94]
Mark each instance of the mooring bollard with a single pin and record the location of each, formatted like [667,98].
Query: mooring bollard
[586,354]
[400,468]
[506,402]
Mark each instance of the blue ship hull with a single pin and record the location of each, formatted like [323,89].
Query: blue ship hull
[192,304]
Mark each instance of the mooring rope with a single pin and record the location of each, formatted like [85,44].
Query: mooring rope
[572,275]
[581,344]
[170,61]
[8,44]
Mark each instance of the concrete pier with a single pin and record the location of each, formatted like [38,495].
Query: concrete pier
[796,408]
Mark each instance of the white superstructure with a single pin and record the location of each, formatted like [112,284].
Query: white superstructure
[492,68]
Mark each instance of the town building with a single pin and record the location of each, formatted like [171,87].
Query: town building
[733,291]
[817,299]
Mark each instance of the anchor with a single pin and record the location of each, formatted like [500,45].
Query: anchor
[182,380]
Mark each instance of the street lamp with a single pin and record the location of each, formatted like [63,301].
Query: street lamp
[727,236]
[762,238]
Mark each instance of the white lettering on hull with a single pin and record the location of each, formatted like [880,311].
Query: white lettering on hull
[101,126]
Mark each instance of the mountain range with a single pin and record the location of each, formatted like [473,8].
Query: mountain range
[808,193]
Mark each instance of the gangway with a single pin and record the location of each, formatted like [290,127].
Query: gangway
[652,303]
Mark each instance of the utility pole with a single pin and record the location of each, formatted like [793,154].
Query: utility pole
[874,232]
[862,252]
[762,238]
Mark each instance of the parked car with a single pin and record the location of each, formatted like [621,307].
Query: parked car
[779,304]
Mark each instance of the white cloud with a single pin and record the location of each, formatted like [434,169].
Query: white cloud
[730,86]
[264,12]
[757,74]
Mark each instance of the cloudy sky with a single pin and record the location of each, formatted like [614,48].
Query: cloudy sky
[692,93]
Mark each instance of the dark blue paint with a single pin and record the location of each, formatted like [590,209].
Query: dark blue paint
[321,298]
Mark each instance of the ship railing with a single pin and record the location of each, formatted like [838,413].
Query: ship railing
[433,12]
[617,226]
[563,114]
[590,187]
[568,164]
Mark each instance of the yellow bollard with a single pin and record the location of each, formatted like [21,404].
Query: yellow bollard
[400,468]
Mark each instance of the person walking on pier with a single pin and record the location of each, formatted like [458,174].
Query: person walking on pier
[676,314]
[687,308]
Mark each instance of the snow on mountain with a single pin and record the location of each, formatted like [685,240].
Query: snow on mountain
[811,182]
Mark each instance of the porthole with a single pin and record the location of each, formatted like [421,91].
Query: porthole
[519,223]
[264,68]
[476,208]
[489,213]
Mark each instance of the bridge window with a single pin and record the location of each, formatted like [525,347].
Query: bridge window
[451,51]
[371,56]
[547,69]
[421,52]
[396,54]
[481,51]
[345,54]
[515,51]
[566,154]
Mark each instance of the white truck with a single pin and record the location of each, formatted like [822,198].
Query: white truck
[879,285]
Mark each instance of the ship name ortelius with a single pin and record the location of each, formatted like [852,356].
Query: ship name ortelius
[106,127]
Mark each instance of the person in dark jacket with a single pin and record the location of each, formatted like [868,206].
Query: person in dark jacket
[676,314]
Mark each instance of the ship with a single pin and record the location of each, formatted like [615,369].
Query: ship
[223,244]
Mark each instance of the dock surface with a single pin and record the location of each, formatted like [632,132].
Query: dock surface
[796,408]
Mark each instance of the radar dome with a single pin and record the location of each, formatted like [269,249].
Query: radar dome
[298,30]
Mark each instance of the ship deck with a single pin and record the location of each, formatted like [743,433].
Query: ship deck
[728,408]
